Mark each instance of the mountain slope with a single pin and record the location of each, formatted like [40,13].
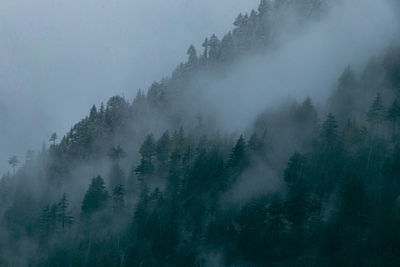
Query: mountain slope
[161,182]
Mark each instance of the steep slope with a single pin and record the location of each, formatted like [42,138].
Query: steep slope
[161,182]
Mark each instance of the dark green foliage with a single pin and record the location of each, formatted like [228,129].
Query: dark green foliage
[148,148]
[394,112]
[329,132]
[238,158]
[392,66]
[252,222]
[197,198]
[48,220]
[118,196]
[376,113]
[163,148]
[64,214]
[95,198]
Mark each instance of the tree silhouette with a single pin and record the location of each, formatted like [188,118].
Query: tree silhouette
[64,215]
[53,138]
[13,161]
[117,153]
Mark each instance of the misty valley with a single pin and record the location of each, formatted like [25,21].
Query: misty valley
[275,144]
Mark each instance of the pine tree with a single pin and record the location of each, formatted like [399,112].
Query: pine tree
[296,168]
[252,223]
[147,151]
[119,198]
[306,114]
[239,22]
[393,115]
[53,138]
[48,221]
[256,145]
[64,215]
[204,56]
[264,7]
[353,212]
[352,135]
[297,199]
[148,148]
[96,197]
[238,159]
[178,142]
[145,168]
[329,132]
[394,112]
[214,45]
[93,114]
[227,48]
[238,152]
[376,113]
[192,54]
[163,148]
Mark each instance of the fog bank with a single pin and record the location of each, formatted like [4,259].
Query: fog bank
[59,57]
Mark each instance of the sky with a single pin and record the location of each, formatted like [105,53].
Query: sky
[59,57]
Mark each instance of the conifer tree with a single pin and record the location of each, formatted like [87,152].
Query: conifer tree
[93,114]
[64,215]
[148,148]
[329,132]
[204,56]
[227,49]
[297,199]
[53,138]
[96,197]
[147,151]
[119,198]
[376,113]
[239,22]
[394,112]
[238,159]
[214,45]
[192,54]
[264,7]
[48,220]
[163,147]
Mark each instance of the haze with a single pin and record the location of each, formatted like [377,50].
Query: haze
[304,64]
[59,57]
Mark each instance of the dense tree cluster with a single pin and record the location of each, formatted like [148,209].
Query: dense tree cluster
[186,196]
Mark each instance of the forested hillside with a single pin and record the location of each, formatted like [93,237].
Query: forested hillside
[157,182]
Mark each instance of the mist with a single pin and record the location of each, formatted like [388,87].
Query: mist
[274,143]
[305,64]
[60,57]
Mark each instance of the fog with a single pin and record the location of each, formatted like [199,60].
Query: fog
[59,57]
[226,161]
[306,63]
